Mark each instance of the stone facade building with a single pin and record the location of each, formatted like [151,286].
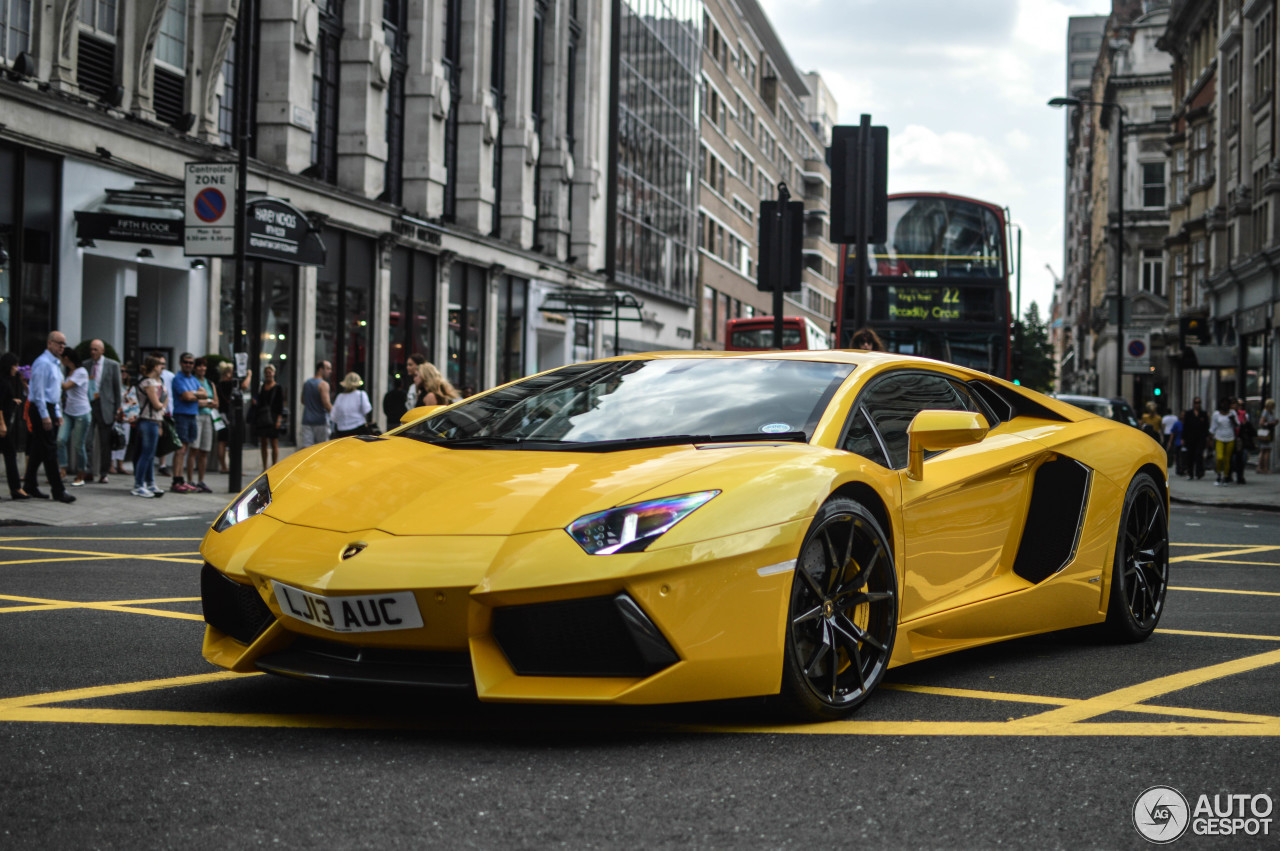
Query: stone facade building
[761,126]
[1226,184]
[1131,77]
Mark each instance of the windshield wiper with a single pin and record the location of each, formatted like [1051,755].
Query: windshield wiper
[492,441]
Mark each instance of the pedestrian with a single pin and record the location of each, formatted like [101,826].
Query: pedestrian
[166,377]
[105,392]
[128,416]
[1266,434]
[198,454]
[351,409]
[1151,422]
[226,391]
[1222,426]
[867,340]
[395,402]
[153,404]
[1195,433]
[316,407]
[185,402]
[268,415]
[434,388]
[44,410]
[1173,448]
[10,416]
[1244,441]
[73,455]
[416,360]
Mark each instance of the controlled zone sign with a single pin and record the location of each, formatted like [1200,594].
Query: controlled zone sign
[210,204]
[1137,352]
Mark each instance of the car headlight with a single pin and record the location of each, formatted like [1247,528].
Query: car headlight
[632,528]
[252,501]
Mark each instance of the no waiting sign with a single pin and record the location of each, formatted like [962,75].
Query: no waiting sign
[210,209]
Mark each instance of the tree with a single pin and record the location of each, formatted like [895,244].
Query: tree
[1032,352]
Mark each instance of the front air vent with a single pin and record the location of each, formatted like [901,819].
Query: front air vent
[595,637]
[232,607]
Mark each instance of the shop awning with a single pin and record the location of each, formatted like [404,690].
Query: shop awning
[1218,357]
[132,215]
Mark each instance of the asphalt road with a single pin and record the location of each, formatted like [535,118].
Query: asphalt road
[114,732]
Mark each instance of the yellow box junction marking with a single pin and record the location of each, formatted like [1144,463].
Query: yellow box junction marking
[1066,717]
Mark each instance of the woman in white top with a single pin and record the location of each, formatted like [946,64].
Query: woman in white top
[1222,428]
[73,457]
[352,408]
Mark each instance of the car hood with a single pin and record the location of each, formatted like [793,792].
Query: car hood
[405,487]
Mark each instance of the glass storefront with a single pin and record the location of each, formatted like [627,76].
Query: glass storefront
[466,326]
[413,313]
[270,303]
[29,193]
[513,294]
[344,303]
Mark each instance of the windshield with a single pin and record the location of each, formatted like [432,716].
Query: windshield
[937,237]
[619,404]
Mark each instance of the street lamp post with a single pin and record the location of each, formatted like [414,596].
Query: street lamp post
[1124,117]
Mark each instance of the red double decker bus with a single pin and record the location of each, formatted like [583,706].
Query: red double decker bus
[753,334]
[939,287]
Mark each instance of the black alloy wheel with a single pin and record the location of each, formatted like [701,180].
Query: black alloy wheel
[843,614]
[1140,576]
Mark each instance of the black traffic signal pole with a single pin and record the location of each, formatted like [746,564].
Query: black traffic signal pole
[244,56]
[782,240]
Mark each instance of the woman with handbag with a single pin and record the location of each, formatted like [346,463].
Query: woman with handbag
[151,409]
[268,415]
[351,408]
[10,407]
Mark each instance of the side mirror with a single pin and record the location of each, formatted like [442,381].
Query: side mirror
[414,414]
[931,431]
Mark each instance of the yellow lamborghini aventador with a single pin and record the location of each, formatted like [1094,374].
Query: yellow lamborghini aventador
[691,526]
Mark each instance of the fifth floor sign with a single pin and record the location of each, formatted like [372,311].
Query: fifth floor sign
[281,232]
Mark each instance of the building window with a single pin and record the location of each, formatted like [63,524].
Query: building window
[1180,176]
[1201,161]
[512,298]
[324,94]
[1261,211]
[452,58]
[498,89]
[1153,271]
[413,311]
[15,28]
[171,43]
[1233,92]
[96,54]
[1264,61]
[1081,42]
[467,287]
[536,99]
[394,30]
[1152,185]
[1081,70]
[1161,113]
[1199,272]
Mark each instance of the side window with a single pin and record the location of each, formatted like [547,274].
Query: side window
[895,400]
[862,440]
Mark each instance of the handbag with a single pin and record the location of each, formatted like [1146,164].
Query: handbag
[168,441]
[117,437]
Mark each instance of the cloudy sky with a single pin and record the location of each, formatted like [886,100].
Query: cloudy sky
[962,86]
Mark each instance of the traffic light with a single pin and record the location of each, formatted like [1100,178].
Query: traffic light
[1156,392]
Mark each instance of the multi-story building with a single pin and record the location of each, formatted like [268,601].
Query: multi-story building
[757,134]
[452,156]
[1118,193]
[1226,186]
[1068,312]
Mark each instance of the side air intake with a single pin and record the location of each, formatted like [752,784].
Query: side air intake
[1054,520]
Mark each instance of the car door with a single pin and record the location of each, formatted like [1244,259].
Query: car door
[963,519]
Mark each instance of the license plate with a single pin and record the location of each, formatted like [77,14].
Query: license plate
[353,613]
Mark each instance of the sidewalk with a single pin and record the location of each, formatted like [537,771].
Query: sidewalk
[113,503]
[1260,493]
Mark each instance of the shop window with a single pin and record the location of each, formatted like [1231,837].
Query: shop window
[343,303]
[512,300]
[413,310]
[467,286]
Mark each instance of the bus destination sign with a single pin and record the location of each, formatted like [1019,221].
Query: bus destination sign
[896,303]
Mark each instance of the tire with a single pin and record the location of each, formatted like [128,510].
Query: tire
[842,617]
[1140,574]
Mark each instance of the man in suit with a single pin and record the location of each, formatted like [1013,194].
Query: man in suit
[105,397]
